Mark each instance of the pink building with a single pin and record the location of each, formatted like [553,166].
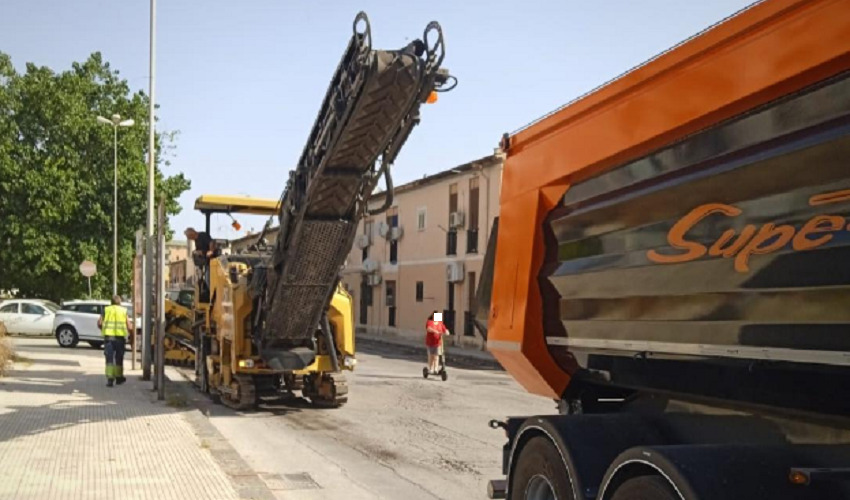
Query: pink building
[425,253]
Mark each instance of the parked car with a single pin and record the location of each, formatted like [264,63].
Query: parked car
[28,316]
[77,321]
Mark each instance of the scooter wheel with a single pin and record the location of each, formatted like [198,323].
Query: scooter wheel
[425,372]
[444,375]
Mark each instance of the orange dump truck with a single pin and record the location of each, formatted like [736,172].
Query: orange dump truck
[672,265]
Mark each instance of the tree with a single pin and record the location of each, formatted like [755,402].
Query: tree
[56,177]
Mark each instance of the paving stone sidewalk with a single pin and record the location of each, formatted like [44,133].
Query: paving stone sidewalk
[65,435]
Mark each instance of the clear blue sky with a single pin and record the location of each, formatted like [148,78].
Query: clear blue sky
[243,80]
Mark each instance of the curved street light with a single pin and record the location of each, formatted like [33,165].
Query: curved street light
[116,122]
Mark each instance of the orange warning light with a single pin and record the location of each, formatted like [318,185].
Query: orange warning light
[432,98]
[798,478]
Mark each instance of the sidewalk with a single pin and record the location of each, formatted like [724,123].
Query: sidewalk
[65,435]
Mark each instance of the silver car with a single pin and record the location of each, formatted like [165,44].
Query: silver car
[77,321]
[28,316]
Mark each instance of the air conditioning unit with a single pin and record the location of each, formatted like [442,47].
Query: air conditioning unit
[370,266]
[363,241]
[396,233]
[383,229]
[455,220]
[454,272]
[373,279]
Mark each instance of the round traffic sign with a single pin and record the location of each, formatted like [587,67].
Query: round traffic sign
[88,269]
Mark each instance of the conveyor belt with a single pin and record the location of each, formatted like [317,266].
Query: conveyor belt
[369,110]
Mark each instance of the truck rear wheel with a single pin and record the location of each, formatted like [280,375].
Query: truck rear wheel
[646,488]
[540,473]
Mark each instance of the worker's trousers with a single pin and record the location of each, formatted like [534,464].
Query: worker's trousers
[113,349]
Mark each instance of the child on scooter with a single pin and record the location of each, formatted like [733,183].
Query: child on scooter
[434,331]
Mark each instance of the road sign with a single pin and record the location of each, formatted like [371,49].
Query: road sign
[88,269]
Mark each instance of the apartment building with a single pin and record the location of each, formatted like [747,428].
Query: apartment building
[425,252]
[178,265]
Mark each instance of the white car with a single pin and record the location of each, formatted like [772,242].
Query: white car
[28,316]
[77,321]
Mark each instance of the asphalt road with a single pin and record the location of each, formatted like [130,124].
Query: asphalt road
[399,436]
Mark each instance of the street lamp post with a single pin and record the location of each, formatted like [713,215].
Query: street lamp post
[115,122]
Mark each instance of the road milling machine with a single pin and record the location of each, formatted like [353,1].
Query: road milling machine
[178,341]
[275,319]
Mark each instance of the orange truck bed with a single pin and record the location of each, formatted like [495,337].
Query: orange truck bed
[770,51]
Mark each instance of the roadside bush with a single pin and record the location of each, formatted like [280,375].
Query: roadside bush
[5,350]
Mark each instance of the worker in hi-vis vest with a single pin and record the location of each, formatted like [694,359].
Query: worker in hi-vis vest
[115,325]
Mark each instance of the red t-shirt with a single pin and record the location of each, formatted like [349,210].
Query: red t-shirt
[434,339]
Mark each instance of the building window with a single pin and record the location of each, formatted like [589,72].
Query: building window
[367,295]
[468,327]
[389,286]
[367,230]
[392,221]
[451,242]
[452,198]
[393,252]
[390,290]
[472,231]
[392,217]
[420,218]
[365,301]
[420,291]
[472,240]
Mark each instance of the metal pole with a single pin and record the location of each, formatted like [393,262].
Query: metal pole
[155,315]
[89,278]
[135,338]
[115,215]
[146,342]
[160,304]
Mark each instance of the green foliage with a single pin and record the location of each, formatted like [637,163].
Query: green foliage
[56,177]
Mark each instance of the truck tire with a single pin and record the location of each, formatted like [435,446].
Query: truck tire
[540,473]
[646,488]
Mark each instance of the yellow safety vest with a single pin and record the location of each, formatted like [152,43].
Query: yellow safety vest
[114,322]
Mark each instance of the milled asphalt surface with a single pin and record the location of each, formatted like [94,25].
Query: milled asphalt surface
[399,437]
